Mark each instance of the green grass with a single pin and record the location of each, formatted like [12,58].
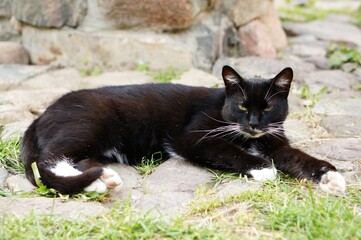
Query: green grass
[337,55]
[167,75]
[120,223]
[284,209]
[308,13]
[10,156]
[147,166]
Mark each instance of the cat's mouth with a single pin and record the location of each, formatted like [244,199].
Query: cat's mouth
[254,133]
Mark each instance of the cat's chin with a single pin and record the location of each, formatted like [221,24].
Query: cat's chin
[253,133]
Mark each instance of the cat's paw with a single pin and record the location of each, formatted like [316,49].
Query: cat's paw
[111,178]
[261,175]
[96,186]
[333,183]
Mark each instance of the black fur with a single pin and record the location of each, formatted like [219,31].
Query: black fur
[216,128]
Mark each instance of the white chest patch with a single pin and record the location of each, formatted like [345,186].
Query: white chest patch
[65,169]
[114,153]
[171,151]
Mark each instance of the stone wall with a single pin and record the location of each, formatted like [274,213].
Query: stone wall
[120,34]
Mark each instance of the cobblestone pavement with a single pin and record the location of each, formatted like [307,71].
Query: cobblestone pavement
[325,117]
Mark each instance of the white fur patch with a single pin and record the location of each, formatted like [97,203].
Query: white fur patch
[333,183]
[114,153]
[231,78]
[261,175]
[64,169]
[171,151]
[109,179]
[282,82]
[254,151]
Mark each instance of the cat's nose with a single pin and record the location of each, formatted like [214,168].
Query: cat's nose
[253,125]
[253,122]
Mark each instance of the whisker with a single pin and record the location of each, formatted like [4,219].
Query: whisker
[220,121]
[274,95]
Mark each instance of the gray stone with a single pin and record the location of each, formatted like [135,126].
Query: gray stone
[56,13]
[302,39]
[22,207]
[255,40]
[228,45]
[235,187]
[304,50]
[11,113]
[3,175]
[196,77]
[332,79]
[8,33]
[11,75]
[327,29]
[339,107]
[13,53]
[203,38]
[164,204]
[344,153]
[250,67]
[343,126]
[67,79]
[296,130]
[19,183]
[34,101]
[116,79]
[107,50]
[5,8]
[131,182]
[14,130]
[177,175]
[246,10]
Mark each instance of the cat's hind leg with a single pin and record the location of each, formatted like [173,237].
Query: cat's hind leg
[108,180]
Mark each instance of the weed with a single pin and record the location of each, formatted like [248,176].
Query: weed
[147,166]
[221,177]
[307,13]
[143,67]
[340,54]
[10,156]
[45,191]
[312,98]
[89,69]
[166,76]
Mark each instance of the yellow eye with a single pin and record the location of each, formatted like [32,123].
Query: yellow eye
[268,109]
[242,108]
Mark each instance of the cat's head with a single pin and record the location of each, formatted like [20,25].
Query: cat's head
[259,106]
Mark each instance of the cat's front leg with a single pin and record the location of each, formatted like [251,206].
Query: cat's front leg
[301,165]
[222,155]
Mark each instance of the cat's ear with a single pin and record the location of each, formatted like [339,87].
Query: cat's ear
[283,79]
[232,80]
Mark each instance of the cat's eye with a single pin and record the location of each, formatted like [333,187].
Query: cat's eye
[242,108]
[267,109]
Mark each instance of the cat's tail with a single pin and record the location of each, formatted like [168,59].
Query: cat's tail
[30,152]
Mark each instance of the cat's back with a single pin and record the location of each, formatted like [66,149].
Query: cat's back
[169,98]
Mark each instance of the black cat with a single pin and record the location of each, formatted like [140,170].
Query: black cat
[237,129]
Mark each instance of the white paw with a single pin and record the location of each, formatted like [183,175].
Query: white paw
[333,183]
[264,174]
[96,186]
[109,179]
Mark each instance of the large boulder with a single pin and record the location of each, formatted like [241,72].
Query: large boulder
[55,13]
[13,53]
